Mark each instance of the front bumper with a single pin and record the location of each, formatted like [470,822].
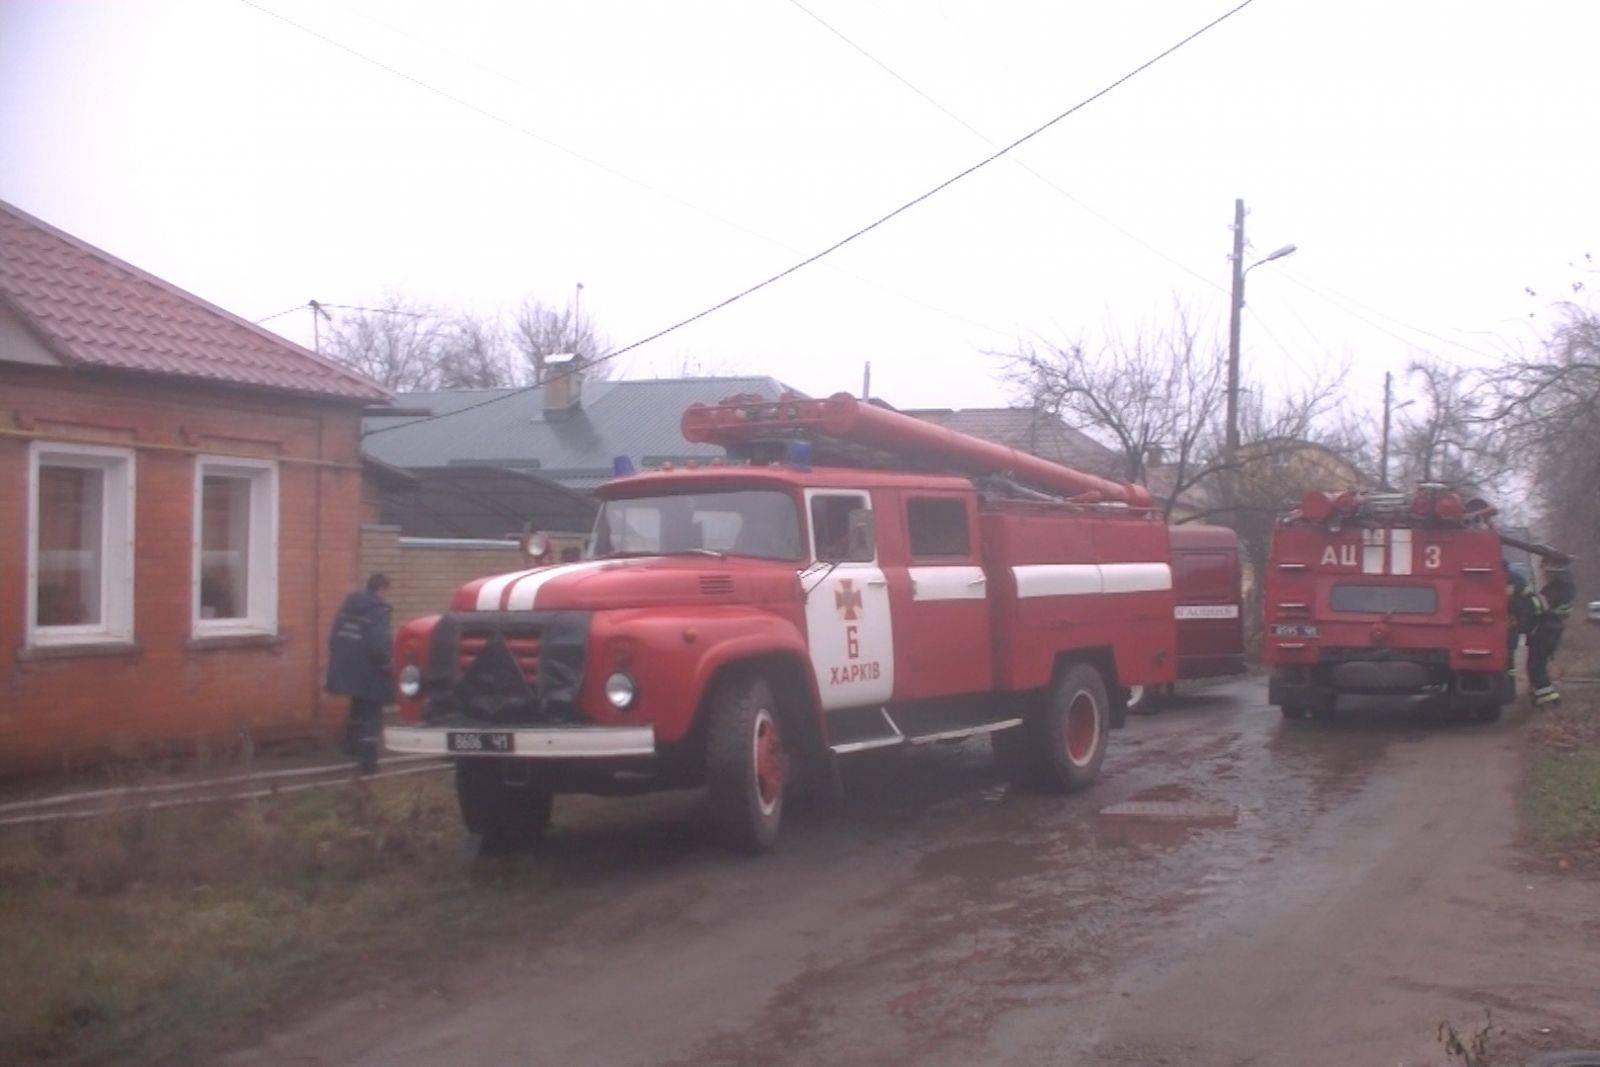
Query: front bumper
[530,742]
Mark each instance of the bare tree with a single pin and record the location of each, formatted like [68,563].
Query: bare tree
[1158,398]
[1547,408]
[473,354]
[395,343]
[1446,437]
[539,331]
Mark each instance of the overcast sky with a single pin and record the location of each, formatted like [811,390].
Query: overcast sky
[1430,159]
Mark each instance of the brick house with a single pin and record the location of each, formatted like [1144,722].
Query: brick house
[182,495]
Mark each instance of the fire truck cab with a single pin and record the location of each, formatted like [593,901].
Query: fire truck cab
[849,579]
[1389,594]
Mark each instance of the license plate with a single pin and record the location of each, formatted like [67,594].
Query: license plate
[479,741]
[1295,630]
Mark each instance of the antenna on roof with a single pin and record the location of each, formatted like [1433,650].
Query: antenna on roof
[318,313]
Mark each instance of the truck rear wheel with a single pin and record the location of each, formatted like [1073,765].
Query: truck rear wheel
[1075,728]
[506,816]
[746,763]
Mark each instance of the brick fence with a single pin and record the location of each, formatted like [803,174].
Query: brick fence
[425,571]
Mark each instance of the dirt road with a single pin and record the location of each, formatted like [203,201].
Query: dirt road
[1236,891]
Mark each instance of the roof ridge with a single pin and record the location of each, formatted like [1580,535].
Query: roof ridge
[183,294]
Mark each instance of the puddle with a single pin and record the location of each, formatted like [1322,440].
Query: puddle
[1161,822]
[1169,792]
[990,860]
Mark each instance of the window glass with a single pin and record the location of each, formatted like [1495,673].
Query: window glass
[938,527]
[1384,599]
[224,547]
[235,547]
[1204,575]
[834,537]
[746,522]
[71,546]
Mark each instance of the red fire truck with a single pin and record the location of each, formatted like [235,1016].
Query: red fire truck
[850,578]
[1387,593]
[1207,590]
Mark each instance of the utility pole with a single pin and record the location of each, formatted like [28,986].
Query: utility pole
[1236,305]
[1383,451]
[318,313]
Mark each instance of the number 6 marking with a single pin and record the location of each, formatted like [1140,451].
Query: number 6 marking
[1430,557]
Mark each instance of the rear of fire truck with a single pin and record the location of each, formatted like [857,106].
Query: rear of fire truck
[1388,594]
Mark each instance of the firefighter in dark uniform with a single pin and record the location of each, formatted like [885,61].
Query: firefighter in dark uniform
[359,651]
[1519,615]
[1549,607]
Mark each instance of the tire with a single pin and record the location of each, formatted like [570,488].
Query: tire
[505,816]
[1075,726]
[1019,755]
[747,766]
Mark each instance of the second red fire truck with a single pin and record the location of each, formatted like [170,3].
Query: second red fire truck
[1392,594]
[849,579]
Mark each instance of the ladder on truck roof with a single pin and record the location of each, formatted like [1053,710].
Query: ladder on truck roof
[850,432]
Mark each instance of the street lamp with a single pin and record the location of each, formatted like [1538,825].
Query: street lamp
[1239,271]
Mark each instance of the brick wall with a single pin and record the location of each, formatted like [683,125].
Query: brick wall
[425,573]
[63,707]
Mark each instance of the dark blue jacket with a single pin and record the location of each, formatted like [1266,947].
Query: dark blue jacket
[359,649]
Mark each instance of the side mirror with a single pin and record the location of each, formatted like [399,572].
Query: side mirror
[863,543]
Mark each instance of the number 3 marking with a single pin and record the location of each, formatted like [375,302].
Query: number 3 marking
[1430,557]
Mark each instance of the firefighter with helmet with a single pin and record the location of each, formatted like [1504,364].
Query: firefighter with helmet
[1548,609]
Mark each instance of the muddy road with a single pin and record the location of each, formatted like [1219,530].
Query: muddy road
[1237,890]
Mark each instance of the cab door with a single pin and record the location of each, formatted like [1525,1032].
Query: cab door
[848,624]
[945,641]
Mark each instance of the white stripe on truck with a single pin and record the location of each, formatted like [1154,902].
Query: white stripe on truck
[948,583]
[1085,579]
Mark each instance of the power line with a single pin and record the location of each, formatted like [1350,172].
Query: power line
[980,135]
[509,124]
[1335,300]
[869,227]
[1261,322]
[281,314]
[630,179]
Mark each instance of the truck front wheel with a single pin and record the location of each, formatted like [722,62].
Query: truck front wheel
[507,816]
[1075,726]
[746,763]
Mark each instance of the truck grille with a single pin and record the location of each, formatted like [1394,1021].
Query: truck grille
[524,649]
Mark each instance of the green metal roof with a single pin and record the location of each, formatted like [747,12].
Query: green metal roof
[638,419]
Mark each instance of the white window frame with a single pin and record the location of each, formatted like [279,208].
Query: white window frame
[262,549]
[116,544]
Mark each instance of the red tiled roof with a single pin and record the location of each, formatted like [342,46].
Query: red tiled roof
[93,310]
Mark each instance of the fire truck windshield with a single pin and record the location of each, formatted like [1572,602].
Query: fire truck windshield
[764,523]
[1384,599]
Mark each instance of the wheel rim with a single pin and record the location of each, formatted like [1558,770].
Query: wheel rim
[769,761]
[1083,728]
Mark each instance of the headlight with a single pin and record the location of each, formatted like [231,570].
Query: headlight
[410,680]
[621,690]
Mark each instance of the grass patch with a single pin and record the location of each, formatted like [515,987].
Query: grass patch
[1563,798]
[1561,794]
[149,936]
